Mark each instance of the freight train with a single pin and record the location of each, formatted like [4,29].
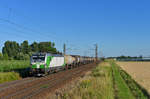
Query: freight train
[46,63]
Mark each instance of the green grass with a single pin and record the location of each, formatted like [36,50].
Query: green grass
[127,88]
[8,76]
[135,88]
[45,86]
[122,90]
[106,81]
[11,65]
[13,70]
[97,85]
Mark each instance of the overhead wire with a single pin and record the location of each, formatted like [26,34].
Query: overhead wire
[12,11]
[19,26]
[30,30]
[36,35]
[21,34]
[26,28]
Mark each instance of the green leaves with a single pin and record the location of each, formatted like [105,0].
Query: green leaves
[12,50]
[25,48]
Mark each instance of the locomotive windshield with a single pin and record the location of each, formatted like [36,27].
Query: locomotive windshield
[37,58]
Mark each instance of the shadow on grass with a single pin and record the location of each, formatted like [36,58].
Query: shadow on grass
[23,72]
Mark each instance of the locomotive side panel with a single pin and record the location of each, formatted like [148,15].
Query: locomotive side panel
[56,61]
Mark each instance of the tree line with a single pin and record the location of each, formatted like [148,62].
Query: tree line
[126,57]
[13,50]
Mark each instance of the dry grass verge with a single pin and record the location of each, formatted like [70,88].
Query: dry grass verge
[97,85]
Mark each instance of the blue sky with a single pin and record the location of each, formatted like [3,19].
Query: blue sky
[119,27]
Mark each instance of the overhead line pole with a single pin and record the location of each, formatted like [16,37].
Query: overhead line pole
[96,52]
[64,49]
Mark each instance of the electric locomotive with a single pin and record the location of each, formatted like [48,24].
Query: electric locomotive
[45,63]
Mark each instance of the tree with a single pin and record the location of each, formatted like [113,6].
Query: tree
[25,48]
[47,47]
[26,57]
[5,57]
[140,56]
[34,47]
[10,49]
[1,56]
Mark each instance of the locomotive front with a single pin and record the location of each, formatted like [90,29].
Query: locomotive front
[38,63]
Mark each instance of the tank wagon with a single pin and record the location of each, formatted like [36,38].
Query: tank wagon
[45,63]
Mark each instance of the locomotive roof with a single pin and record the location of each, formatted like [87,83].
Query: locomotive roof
[49,54]
[39,54]
[55,55]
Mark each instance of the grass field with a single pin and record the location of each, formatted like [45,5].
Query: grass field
[133,88]
[122,90]
[8,76]
[140,71]
[12,65]
[13,70]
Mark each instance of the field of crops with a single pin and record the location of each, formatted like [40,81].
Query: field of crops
[13,65]
[140,71]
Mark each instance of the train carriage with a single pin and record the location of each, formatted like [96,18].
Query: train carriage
[70,61]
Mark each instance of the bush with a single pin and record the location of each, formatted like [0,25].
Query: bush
[97,72]
[12,65]
[21,56]
[9,76]
[5,57]
[85,83]
[1,56]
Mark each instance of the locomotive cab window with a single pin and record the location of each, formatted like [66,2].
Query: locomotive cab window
[38,58]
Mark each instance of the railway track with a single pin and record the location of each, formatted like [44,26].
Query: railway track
[34,88]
